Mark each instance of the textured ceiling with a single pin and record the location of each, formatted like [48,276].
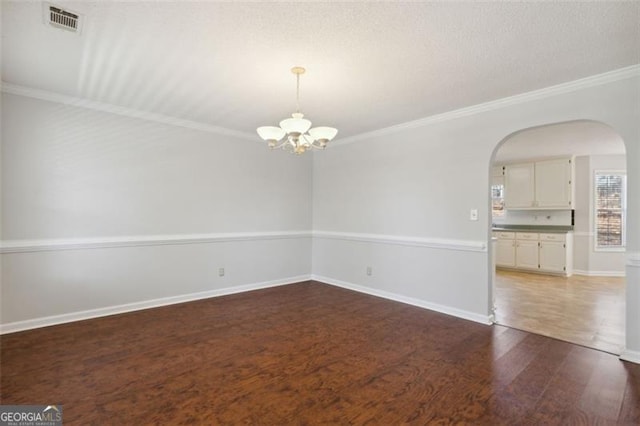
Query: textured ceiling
[369,65]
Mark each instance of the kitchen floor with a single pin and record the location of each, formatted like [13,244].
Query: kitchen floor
[588,311]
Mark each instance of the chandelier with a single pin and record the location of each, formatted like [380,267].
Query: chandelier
[295,134]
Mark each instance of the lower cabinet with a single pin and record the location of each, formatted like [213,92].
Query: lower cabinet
[505,254]
[556,253]
[527,254]
[532,251]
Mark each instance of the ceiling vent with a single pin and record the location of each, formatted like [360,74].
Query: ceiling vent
[61,18]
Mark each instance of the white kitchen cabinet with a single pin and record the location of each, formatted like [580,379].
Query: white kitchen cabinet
[497,175]
[556,253]
[505,254]
[497,171]
[553,180]
[552,257]
[519,186]
[543,185]
[527,253]
[532,251]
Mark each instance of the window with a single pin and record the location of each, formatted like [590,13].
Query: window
[497,200]
[610,209]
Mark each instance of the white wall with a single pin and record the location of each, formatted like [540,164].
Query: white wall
[101,201]
[588,261]
[420,182]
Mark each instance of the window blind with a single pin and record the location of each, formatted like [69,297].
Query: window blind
[610,203]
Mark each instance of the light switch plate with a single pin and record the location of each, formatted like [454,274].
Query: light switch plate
[473,214]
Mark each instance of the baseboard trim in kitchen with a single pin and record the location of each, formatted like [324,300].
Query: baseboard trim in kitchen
[599,273]
[631,356]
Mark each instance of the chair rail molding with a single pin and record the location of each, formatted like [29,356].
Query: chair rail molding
[21,246]
[435,243]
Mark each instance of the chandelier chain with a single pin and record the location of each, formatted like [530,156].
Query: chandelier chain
[297,92]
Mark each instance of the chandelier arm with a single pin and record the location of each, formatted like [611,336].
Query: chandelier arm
[280,143]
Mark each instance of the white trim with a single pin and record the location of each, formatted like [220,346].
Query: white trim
[617,249]
[471,316]
[583,234]
[633,259]
[631,356]
[592,81]
[572,86]
[599,273]
[137,306]
[21,246]
[437,243]
[45,95]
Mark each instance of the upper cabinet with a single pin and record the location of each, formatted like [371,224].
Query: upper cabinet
[497,171]
[519,186]
[543,185]
[497,175]
[554,184]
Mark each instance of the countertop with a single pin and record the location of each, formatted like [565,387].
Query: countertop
[533,228]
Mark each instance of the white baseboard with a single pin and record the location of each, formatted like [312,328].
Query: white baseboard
[471,316]
[137,306]
[599,273]
[631,356]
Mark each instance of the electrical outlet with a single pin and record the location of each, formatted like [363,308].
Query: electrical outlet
[473,214]
[221,272]
[369,271]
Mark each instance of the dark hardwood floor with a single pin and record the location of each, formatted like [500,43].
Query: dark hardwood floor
[311,353]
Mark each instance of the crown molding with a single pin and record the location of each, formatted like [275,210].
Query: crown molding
[45,95]
[571,86]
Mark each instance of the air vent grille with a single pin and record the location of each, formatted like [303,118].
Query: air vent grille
[61,18]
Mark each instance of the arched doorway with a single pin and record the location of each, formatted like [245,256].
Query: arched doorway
[561,266]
